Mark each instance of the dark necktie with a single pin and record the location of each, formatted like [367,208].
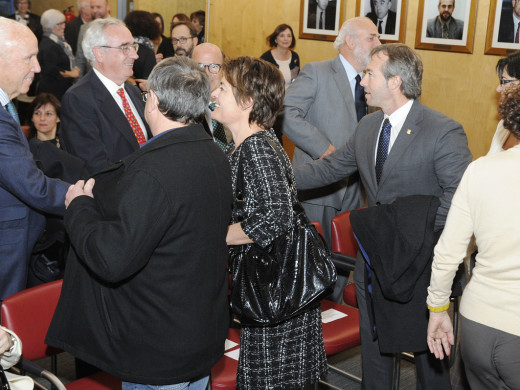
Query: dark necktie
[382,148]
[219,134]
[132,120]
[321,19]
[359,99]
[445,30]
[517,33]
[380,26]
[11,109]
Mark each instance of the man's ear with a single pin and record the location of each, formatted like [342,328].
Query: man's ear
[395,82]
[99,53]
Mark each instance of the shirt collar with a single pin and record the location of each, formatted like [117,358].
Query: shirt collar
[4,99]
[351,72]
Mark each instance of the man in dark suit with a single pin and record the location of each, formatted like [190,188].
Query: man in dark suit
[25,192]
[102,114]
[322,109]
[404,149]
[509,24]
[145,290]
[382,16]
[321,15]
[72,28]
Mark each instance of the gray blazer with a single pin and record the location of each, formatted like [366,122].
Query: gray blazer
[428,157]
[319,111]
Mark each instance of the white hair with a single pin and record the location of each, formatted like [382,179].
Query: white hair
[51,18]
[348,28]
[95,35]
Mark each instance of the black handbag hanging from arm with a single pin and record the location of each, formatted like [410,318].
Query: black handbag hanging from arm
[272,284]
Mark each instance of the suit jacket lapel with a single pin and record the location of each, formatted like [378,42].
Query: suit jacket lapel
[111,110]
[407,134]
[343,84]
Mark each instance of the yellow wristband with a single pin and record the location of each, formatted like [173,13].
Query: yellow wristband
[439,309]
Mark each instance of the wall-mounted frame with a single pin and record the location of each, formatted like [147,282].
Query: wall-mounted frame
[388,15]
[501,37]
[321,19]
[456,36]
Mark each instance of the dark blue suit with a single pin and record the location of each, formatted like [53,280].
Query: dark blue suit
[25,193]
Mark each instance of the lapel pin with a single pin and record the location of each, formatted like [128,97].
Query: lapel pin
[409,131]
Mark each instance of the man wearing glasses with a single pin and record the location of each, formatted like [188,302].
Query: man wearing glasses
[210,58]
[184,38]
[102,114]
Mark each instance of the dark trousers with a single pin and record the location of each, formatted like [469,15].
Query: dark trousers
[432,374]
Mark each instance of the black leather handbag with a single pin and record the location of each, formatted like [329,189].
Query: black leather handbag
[272,284]
[4,384]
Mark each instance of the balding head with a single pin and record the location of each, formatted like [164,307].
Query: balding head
[207,54]
[18,62]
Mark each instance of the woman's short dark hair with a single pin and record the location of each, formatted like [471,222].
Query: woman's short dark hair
[142,24]
[509,110]
[271,39]
[510,63]
[158,15]
[181,18]
[200,15]
[258,81]
[41,100]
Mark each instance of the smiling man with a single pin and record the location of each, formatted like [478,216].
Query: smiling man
[25,192]
[445,26]
[102,114]
[404,149]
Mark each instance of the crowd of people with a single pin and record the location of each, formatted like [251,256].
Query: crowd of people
[155,158]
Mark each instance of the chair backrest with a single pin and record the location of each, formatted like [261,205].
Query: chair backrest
[343,240]
[28,313]
[318,227]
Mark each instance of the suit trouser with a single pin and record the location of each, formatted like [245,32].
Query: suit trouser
[491,356]
[432,374]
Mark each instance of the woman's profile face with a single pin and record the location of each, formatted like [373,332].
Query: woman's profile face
[284,39]
[45,121]
[506,82]
[226,111]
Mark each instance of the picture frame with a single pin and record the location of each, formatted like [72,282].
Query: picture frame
[393,27]
[500,39]
[330,13]
[429,27]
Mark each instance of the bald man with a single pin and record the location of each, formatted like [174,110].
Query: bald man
[25,192]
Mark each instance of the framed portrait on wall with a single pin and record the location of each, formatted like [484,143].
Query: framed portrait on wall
[388,15]
[321,19]
[445,25]
[503,34]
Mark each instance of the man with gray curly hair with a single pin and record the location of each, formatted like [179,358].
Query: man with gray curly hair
[103,114]
[139,283]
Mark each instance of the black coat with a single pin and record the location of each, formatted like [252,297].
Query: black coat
[145,289]
[52,59]
[398,239]
[72,32]
[390,22]
[506,29]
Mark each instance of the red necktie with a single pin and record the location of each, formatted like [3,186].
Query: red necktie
[517,32]
[131,118]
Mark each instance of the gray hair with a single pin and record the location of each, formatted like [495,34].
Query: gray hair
[182,89]
[348,28]
[51,18]
[95,35]
[405,63]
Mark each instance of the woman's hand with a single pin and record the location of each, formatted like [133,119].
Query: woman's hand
[440,334]
[73,73]
[236,236]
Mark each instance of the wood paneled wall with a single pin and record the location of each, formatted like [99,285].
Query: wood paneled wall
[460,85]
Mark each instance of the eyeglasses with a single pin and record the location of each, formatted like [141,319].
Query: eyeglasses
[145,96]
[126,49]
[504,81]
[212,68]
[182,40]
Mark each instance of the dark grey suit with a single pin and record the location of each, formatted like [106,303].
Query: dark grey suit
[428,157]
